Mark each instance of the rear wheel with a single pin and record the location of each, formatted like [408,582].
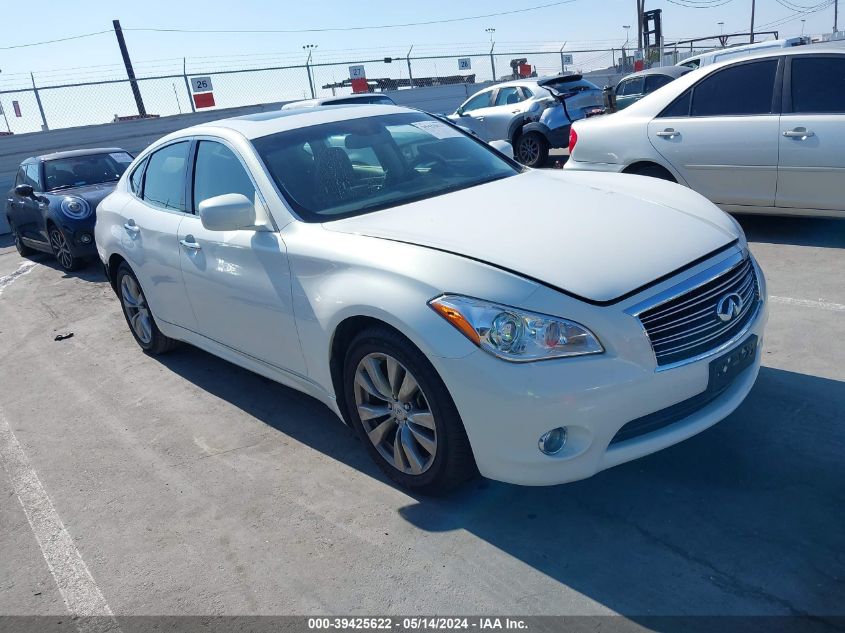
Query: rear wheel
[61,249]
[138,315]
[532,149]
[23,249]
[404,414]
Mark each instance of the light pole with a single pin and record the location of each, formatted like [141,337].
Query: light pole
[627,28]
[310,48]
[490,30]
[802,27]
[721,28]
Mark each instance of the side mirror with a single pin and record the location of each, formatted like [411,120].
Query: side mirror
[25,191]
[460,112]
[229,212]
[502,147]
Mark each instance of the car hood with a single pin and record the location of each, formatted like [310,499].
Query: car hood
[92,194]
[597,236]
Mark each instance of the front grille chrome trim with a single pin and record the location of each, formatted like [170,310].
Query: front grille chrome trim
[733,268]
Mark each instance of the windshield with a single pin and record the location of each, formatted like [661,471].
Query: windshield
[78,171]
[357,166]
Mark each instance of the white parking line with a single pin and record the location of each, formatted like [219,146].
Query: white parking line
[8,280]
[808,303]
[79,591]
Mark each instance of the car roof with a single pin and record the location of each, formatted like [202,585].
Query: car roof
[253,126]
[669,71]
[78,152]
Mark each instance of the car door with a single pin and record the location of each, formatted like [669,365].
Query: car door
[238,282]
[473,112]
[508,102]
[811,172]
[721,135]
[149,235]
[28,212]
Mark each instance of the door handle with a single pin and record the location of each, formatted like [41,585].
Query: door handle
[668,133]
[190,243]
[131,227]
[800,133]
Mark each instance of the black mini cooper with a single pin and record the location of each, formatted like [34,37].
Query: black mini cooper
[52,206]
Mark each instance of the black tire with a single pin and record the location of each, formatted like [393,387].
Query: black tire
[158,343]
[61,250]
[453,462]
[23,249]
[532,149]
[652,171]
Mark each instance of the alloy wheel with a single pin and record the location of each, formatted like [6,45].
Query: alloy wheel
[136,308]
[61,248]
[395,413]
[529,150]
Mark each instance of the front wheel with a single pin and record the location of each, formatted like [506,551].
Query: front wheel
[62,252]
[404,414]
[138,315]
[532,149]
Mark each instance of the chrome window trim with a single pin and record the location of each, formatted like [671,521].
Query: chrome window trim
[689,285]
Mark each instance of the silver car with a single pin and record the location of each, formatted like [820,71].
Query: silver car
[513,111]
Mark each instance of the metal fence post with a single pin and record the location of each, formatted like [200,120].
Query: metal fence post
[492,60]
[410,73]
[187,84]
[44,127]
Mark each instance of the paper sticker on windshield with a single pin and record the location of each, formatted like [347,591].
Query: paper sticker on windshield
[437,129]
[121,157]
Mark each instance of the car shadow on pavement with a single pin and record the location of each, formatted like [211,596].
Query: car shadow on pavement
[744,518]
[797,231]
[92,271]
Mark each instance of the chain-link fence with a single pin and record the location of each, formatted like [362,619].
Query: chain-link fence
[50,104]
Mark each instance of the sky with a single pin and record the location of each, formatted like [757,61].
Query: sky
[588,21]
[577,24]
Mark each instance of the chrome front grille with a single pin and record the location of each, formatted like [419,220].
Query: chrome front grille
[689,325]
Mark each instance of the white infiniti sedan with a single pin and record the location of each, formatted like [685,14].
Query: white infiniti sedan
[398,270]
[761,134]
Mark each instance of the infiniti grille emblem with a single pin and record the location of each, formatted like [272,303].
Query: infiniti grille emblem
[729,307]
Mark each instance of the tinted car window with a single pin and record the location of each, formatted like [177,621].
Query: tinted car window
[631,87]
[218,171]
[745,89]
[653,82]
[33,175]
[380,99]
[679,107]
[508,96]
[137,178]
[478,101]
[164,179]
[818,84]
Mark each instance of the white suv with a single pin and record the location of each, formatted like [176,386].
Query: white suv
[757,135]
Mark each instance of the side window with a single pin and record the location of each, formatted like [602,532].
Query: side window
[631,87]
[136,180]
[20,179]
[745,89]
[508,96]
[478,101]
[33,176]
[164,179]
[818,84]
[527,92]
[679,107]
[653,82]
[217,171]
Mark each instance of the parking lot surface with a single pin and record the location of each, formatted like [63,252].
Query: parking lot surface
[185,485]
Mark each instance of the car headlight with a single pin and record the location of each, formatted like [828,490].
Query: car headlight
[515,335]
[75,208]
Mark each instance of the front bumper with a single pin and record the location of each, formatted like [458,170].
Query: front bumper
[506,407]
[80,237]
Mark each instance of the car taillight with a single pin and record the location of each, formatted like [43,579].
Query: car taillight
[573,138]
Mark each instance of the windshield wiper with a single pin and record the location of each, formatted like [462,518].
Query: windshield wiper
[61,187]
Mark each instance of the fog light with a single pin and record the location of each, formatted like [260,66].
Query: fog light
[553,441]
[85,238]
